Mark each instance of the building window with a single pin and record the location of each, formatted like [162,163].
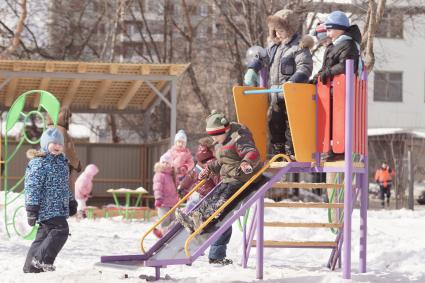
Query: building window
[391,25]
[203,10]
[202,31]
[388,86]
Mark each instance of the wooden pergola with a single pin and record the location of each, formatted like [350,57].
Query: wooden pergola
[92,87]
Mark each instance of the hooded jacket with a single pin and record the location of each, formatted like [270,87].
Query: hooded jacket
[164,187]
[237,147]
[47,184]
[84,182]
[295,63]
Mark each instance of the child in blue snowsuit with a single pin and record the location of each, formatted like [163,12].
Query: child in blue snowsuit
[48,201]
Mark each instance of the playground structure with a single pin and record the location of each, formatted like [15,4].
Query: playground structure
[84,87]
[309,115]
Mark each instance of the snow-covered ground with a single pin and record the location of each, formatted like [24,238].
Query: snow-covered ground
[396,249]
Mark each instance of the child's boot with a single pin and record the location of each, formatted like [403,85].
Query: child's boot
[222,261]
[185,220]
[197,219]
[157,233]
[44,266]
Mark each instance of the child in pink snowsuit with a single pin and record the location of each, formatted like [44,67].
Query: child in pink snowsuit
[83,187]
[181,155]
[164,190]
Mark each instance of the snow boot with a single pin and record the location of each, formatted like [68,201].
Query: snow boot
[197,219]
[222,261]
[185,220]
[157,233]
[44,266]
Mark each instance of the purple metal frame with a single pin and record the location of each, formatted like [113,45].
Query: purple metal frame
[344,243]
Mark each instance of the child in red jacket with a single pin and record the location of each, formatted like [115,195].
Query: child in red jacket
[204,154]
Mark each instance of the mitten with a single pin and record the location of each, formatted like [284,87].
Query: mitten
[246,167]
[204,173]
[180,192]
[250,78]
[32,214]
[73,207]
[325,75]
[313,80]
[158,202]
[183,170]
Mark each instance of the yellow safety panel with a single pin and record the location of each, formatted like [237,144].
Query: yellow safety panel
[251,111]
[301,108]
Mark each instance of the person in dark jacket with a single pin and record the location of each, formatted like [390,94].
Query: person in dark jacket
[48,201]
[289,61]
[237,160]
[345,45]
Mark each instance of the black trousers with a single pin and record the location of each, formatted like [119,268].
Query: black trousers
[51,237]
[279,126]
[385,191]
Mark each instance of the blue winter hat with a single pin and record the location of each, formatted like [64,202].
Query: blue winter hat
[180,136]
[51,135]
[337,20]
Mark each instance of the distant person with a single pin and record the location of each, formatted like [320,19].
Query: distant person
[83,188]
[182,160]
[64,119]
[384,178]
[165,192]
[48,201]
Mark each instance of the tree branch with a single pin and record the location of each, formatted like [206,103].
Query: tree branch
[18,31]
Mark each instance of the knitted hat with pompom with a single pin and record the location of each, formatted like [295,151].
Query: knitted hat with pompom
[217,123]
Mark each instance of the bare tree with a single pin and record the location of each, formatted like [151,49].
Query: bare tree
[16,39]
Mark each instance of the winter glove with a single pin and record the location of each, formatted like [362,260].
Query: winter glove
[183,170]
[246,167]
[158,202]
[325,75]
[73,207]
[180,192]
[204,173]
[250,78]
[32,214]
[313,80]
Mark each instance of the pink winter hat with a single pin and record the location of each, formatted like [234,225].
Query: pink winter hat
[166,157]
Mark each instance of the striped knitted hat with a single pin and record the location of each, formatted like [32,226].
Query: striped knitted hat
[217,124]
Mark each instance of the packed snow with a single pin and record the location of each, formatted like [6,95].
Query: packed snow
[395,251]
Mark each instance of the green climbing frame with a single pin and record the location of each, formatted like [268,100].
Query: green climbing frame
[47,104]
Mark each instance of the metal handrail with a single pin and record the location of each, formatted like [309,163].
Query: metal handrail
[237,193]
[170,211]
